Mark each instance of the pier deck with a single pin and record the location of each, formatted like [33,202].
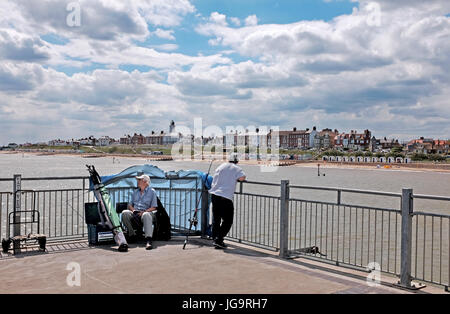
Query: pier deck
[200,269]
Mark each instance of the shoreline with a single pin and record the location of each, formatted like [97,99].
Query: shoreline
[419,167]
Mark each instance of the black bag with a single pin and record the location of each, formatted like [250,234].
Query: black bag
[163,227]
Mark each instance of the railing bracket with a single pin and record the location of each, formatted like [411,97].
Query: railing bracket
[413,287]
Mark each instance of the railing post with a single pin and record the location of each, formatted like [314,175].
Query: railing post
[406,239]
[284,218]
[204,212]
[17,206]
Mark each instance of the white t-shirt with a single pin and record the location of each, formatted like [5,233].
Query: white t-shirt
[225,179]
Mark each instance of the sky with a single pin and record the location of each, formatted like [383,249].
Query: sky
[71,69]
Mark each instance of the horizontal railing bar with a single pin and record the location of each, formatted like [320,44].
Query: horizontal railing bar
[46,190]
[431,197]
[266,196]
[53,178]
[348,205]
[156,188]
[261,183]
[259,245]
[346,190]
[430,214]
[396,211]
[87,177]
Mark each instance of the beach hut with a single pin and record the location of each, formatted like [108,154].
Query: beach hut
[374,159]
[345,158]
[332,158]
[325,158]
[383,159]
[399,160]
[360,159]
[339,158]
[391,160]
[367,159]
[407,160]
[352,159]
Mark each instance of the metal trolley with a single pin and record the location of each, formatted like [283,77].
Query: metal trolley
[22,241]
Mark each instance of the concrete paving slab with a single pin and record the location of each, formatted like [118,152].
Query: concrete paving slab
[200,269]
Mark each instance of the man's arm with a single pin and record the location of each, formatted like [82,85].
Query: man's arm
[241,175]
[153,203]
[131,204]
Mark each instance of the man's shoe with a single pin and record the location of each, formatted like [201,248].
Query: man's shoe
[219,245]
[149,244]
[123,248]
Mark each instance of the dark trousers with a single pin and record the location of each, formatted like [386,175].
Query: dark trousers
[223,212]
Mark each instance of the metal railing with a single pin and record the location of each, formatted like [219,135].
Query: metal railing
[430,243]
[256,217]
[62,214]
[400,241]
[354,235]
[413,244]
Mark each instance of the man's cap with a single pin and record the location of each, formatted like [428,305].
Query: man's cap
[233,157]
[144,177]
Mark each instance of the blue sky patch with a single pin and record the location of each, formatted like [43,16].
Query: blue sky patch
[55,39]
[277,12]
[70,71]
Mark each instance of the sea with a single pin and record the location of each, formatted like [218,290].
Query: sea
[371,179]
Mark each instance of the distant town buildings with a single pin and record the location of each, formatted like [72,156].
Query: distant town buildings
[294,139]
[353,140]
[428,146]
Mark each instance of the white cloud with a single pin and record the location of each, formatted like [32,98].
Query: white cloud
[112,100]
[166,47]
[251,20]
[235,21]
[22,47]
[166,34]
[393,58]
[218,18]
[356,71]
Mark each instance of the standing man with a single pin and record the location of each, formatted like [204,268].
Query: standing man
[141,210]
[222,190]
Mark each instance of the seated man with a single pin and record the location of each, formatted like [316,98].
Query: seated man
[141,209]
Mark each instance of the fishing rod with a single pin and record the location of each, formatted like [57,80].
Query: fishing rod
[194,220]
